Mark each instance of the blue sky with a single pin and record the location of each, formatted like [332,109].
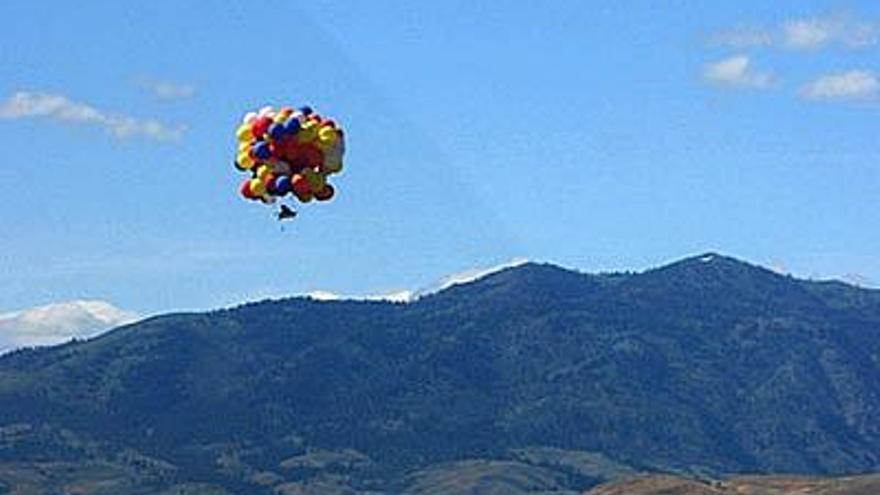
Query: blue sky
[599,136]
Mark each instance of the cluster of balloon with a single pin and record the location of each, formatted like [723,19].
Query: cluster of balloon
[288,151]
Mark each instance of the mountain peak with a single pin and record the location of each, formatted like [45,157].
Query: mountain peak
[711,257]
[708,257]
[520,284]
[714,263]
[530,272]
[719,281]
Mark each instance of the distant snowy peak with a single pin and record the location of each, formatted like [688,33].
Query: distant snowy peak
[401,296]
[469,276]
[60,313]
[408,295]
[59,322]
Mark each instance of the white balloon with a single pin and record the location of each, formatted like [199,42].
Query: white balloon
[266,111]
[249,118]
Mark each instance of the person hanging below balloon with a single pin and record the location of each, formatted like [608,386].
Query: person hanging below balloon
[288,152]
[286,212]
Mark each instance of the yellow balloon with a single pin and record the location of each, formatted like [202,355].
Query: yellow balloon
[246,160]
[245,133]
[258,188]
[327,138]
[308,132]
[282,116]
[263,171]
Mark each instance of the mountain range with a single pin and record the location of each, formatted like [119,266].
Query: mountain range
[533,379]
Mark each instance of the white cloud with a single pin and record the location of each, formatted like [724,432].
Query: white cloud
[851,85]
[166,90]
[743,37]
[806,33]
[817,32]
[736,71]
[25,104]
[407,295]
[57,323]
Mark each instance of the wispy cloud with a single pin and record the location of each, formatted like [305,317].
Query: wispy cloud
[57,323]
[817,32]
[166,90]
[736,71]
[743,37]
[808,34]
[846,86]
[33,105]
[805,34]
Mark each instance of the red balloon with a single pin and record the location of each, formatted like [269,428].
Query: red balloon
[291,148]
[313,155]
[246,190]
[276,150]
[326,193]
[300,186]
[261,125]
[297,157]
[270,183]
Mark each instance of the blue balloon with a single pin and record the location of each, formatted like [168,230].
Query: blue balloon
[262,151]
[291,126]
[276,131]
[306,110]
[282,185]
